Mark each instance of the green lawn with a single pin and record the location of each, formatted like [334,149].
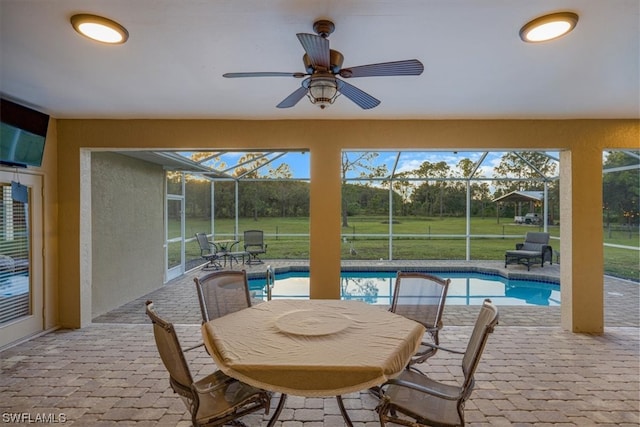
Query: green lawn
[415,238]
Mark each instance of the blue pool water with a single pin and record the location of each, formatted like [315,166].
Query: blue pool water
[376,287]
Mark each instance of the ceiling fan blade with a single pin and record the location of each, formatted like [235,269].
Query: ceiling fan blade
[360,97]
[264,74]
[293,99]
[317,49]
[410,67]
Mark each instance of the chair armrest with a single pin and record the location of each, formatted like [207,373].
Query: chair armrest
[519,246]
[214,386]
[417,387]
[435,329]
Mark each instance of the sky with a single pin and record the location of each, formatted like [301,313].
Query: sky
[409,160]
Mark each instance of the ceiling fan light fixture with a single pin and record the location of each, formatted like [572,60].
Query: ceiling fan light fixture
[548,27]
[99,28]
[323,91]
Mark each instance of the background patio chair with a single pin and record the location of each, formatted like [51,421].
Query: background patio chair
[209,252]
[421,297]
[535,248]
[214,400]
[222,292]
[429,402]
[254,245]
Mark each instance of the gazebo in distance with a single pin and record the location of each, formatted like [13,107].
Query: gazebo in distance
[531,197]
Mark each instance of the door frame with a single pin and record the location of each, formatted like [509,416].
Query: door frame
[33,323]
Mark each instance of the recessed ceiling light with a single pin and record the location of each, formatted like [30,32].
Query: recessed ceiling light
[99,28]
[548,27]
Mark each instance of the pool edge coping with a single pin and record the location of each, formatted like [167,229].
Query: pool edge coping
[507,274]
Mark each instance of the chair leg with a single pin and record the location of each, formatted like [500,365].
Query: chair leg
[375,391]
[253,259]
[382,409]
[212,265]
[343,411]
[276,414]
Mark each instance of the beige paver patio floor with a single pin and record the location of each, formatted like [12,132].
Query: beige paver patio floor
[533,372]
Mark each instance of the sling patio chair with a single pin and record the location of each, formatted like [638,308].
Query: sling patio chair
[209,252]
[421,297]
[254,245]
[222,292]
[535,249]
[214,400]
[415,400]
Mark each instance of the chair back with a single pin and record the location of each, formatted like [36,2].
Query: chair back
[420,297]
[171,353]
[534,241]
[222,292]
[253,238]
[206,248]
[485,323]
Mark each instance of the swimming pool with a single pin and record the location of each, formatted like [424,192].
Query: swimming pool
[376,287]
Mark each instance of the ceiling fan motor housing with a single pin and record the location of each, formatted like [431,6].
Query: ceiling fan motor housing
[335,60]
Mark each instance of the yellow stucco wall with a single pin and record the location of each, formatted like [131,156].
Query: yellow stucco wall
[584,139]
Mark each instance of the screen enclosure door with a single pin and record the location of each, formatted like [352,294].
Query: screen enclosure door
[175,236]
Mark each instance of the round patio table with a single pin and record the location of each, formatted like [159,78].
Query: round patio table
[312,348]
[225,247]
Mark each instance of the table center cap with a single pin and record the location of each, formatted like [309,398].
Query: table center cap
[311,323]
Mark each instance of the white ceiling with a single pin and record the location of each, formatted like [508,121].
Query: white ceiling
[476,66]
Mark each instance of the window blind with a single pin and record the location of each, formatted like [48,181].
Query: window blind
[15,287]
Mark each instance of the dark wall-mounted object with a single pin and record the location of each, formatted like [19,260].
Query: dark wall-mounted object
[22,134]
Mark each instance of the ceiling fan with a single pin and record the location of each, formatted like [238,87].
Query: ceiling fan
[323,66]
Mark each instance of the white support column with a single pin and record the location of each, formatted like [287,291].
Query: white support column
[390,220]
[545,207]
[235,226]
[468,229]
[212,218]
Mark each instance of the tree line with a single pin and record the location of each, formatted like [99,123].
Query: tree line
[434,189]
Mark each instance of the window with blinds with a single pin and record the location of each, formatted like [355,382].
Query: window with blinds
[15,289]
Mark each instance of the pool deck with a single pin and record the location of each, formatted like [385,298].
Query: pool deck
[533,372]
[179,301]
